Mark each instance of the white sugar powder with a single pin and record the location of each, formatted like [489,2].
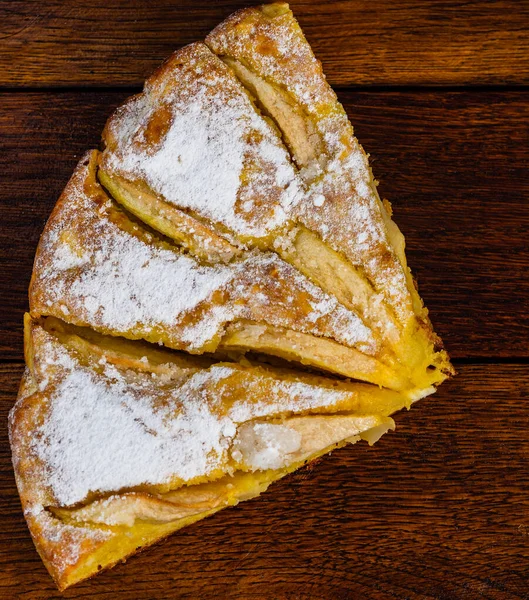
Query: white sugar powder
[130,283]
[207,159]
[103,436]
[104,432]
[197,166]
[67,258]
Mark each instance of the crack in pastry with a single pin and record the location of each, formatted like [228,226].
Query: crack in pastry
[112,451]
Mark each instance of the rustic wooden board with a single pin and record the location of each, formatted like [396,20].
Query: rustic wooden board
[436,510]
[453,163]
[109,42]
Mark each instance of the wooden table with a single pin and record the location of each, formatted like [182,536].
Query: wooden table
[437,91]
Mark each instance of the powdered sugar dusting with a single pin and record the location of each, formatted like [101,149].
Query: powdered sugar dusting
[218,157]
[129,284]
[142,284]
[112,430]
[67,258]
[101,435]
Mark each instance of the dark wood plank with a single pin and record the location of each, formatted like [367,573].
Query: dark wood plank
[108,42]
[42,136]
[454,164]
[436,510]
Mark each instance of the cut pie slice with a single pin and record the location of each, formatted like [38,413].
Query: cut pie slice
[266,49]
[96,267]
[117,444]
[193,148]
[269,167]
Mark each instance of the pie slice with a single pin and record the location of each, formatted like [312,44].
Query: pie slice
[266,49]
[97,267]
[117,444]
[272,164]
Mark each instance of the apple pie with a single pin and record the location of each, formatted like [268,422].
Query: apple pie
[219,296]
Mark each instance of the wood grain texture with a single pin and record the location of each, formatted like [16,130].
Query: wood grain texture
[436,510]
[454,164]
[360,42]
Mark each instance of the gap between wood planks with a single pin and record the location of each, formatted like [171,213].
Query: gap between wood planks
[376,89]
